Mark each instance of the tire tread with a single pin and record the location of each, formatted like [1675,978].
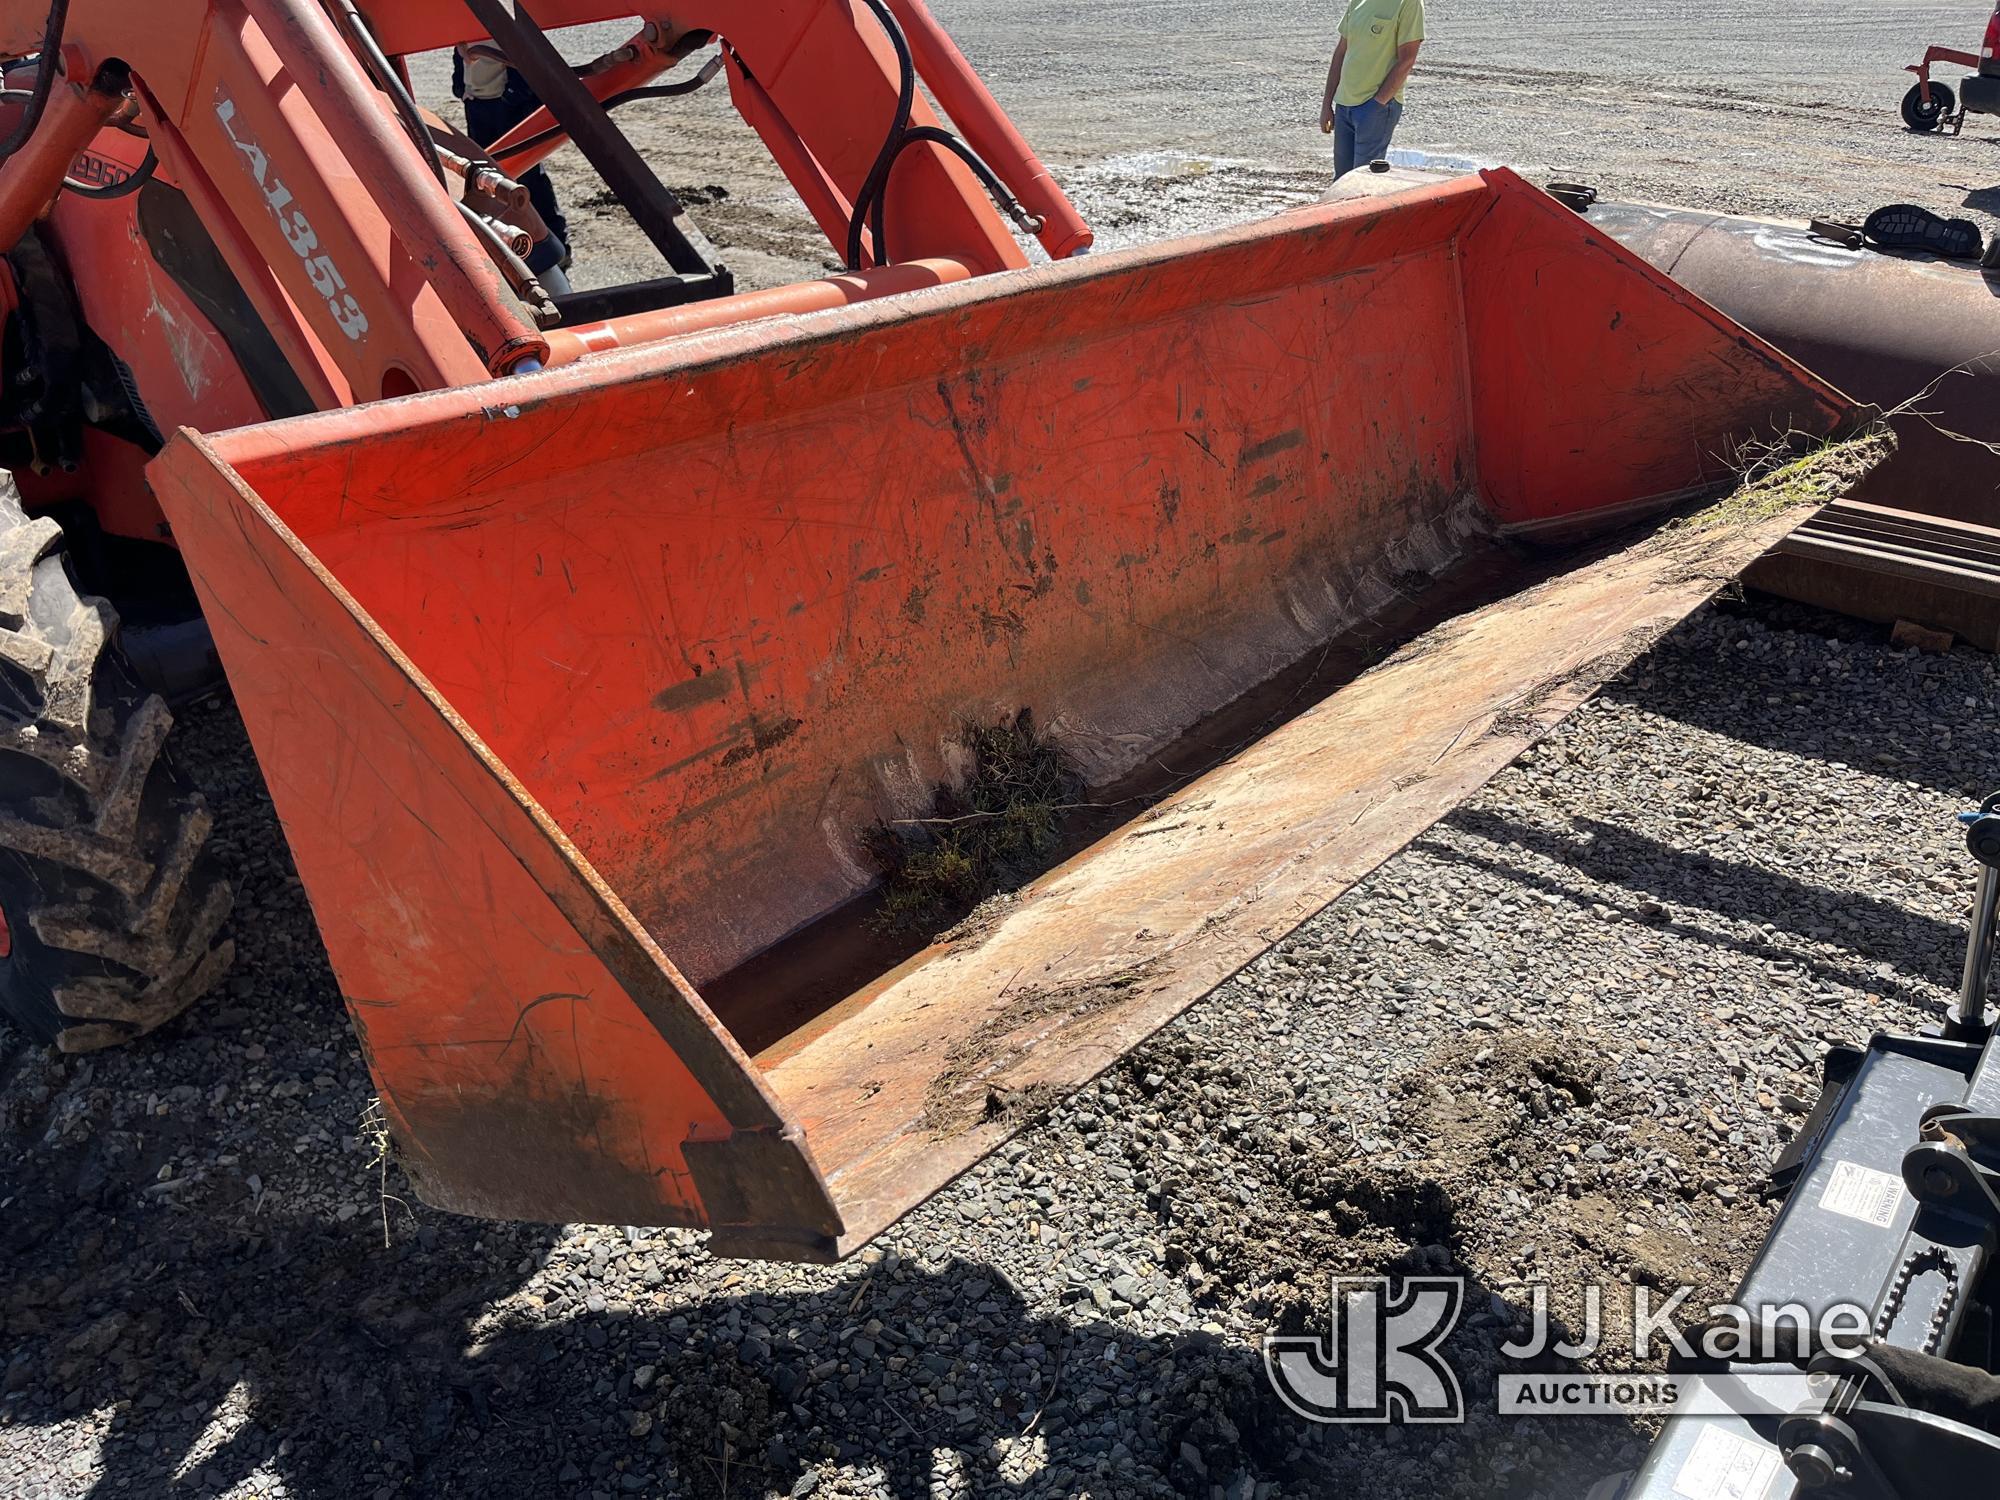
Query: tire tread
[105,844]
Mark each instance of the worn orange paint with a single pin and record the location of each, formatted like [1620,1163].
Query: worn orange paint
[586,684]
[358,263]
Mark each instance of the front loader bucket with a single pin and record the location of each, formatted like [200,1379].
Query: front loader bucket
[577,691]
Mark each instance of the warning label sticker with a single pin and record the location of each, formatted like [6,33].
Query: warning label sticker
[1726,1466]
[1863,1193]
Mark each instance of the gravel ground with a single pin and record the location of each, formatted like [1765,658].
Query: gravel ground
[1561,1036]
[1157,121]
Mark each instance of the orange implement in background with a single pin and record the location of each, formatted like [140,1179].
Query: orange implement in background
[576,690]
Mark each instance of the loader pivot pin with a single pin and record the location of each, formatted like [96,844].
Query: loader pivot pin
[1815,1467]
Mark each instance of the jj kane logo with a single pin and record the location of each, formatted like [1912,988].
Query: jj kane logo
[1378,1359]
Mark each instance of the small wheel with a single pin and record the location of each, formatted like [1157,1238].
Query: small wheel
[1920,116]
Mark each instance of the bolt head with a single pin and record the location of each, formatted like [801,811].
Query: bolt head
[1814,1467]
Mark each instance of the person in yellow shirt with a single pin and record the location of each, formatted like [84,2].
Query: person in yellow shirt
[1379,40]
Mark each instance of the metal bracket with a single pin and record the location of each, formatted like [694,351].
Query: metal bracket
[652,205]
[1880,1450]
[1862,1436]
[1956,1165]
[1982,832]
[1824,1452]
[1982,840]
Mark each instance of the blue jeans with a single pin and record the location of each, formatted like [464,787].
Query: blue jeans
[1362,132]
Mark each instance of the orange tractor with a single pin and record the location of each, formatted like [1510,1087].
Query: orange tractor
[590,641]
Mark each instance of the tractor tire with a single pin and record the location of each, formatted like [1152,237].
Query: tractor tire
[113,908]
[1923,117]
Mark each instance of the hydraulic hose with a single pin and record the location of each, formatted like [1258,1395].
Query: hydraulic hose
[651,91]
[389,82]
[868,202]
[137,178]
[870,206]
[672,90]
[522,281]
[1003,200]
[48,62]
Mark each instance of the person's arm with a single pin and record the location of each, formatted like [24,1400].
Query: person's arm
[1406,59]
[1332,83]
[1409,41]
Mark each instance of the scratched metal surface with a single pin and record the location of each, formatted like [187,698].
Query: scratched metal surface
[702,612]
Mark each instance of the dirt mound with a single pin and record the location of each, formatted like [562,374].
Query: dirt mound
[1512,1158]
[1265,1224]
[718,1425]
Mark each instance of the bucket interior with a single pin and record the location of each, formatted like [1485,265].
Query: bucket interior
[722,625]
[726,608]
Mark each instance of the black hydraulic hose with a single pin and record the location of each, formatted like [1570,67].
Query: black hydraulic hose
[874,187]
[1003,200]
[137,178]
[872,203]
[390,82]
[47,64]
[526,285]
[668,90]
[650,91]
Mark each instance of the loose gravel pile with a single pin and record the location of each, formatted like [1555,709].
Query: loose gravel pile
[1560,1037]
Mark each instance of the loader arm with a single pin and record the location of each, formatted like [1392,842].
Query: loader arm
[367,267]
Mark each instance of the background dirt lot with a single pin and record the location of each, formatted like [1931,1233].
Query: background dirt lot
[1163,117]
[1560,1037]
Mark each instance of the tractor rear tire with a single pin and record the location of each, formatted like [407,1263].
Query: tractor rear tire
[113,907]
[1923,117]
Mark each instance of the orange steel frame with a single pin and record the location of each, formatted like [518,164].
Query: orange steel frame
[1932,57]
[575,693]
[356,257]
[571,704]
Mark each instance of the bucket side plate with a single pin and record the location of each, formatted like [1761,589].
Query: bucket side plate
[537,1055]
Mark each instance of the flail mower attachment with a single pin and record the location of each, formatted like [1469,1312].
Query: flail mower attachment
[578,690]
